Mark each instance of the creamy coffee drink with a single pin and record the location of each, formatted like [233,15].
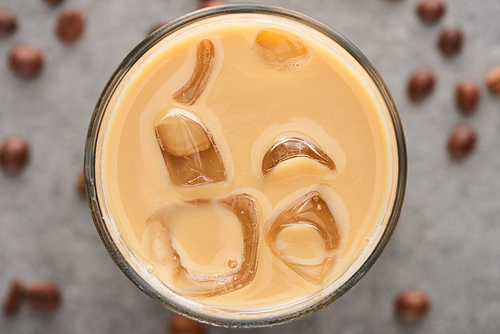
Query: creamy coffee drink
[248,163]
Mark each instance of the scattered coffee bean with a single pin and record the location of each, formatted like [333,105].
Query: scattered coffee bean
[80,183]
[430,11]
[462,141]
[211,3]
[492,79]
[43,296]
[70,25]
[14,297]
[26,60]
[182,325]
[53,2]
[8,22]
[421,84]
[14,153]
[450,41]
[412,305]
[156,27]
[467,95]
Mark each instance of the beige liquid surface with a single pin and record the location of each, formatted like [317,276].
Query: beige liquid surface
[251,239]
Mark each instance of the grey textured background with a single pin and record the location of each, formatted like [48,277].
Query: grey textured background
[447,241]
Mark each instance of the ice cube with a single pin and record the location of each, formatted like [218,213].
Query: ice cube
[282,49]
[173,251]
[195,86]
[181,136]
[293,147]
[305,236]
[188,149]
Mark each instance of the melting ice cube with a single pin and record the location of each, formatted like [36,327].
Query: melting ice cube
[293,147]
[189,150]
[180,135]
[281,49]
[305,236]
[181,251]
[192,90]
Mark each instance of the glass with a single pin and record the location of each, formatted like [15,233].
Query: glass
[136,272]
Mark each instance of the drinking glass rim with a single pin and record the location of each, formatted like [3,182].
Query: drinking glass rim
[95,128]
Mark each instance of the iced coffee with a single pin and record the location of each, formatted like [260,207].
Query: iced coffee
[248,164]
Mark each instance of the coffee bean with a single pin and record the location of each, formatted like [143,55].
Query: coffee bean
[70,25]
[211,3]
[431,11]
[8,22]
[412,305]
[43,296]
[53,2]
[182,325]
[80,183]
[492,79]
[467,95]
[461,141]
[420,84]
[14,153]
[450,41]
[26,60]
[14,297]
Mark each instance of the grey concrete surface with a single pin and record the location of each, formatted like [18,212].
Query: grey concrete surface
[447,241]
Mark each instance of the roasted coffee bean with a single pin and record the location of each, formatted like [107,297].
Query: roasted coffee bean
[80,183]
[211,3]
[467,95]
[53,2]
[182,325]
[462,141]
[26,60]
[13,298]
[450,41]
[70,25]
[14,153]
[43,296]
[412,305]
[420,84]
[492,79]
[431,11]
[8,22]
